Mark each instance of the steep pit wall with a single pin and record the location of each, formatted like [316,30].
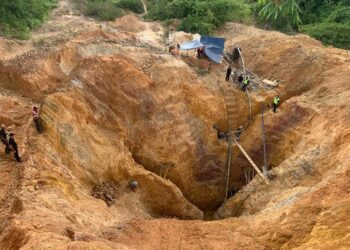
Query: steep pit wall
[309,127]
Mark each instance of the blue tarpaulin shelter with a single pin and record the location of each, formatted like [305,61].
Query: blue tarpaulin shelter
[214,47]
[191,45]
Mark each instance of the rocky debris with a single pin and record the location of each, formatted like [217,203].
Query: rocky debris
[106,191]
[147,65]
[28,61]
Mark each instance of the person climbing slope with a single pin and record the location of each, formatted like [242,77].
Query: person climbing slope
[236,54]
[228,72]
[3,137]
[133,185]
[37,119]
[14,147]
[275,103]
[240,79]
[238,132]
[221,134]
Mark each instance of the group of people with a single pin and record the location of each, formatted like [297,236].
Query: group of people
[222,135]
[7,138]
[243,80]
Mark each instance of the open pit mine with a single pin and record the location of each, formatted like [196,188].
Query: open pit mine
[129,159]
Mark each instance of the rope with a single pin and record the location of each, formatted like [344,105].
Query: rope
[241,56]
[263,136]
[250,109]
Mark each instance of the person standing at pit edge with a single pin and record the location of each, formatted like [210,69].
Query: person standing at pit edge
[37,119]
[14,147]
[3,137]
[276,102]
[228,72]
[246,81]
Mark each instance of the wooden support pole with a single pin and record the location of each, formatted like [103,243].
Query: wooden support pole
[250,107]
[229,158]
[252,162]
[166,171]
[263,136]
[243,64]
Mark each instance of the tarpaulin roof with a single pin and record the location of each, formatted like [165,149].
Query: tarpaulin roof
[214,53]
[214,47]
[191,45]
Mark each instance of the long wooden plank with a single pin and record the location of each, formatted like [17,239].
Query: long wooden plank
[263,134]
[252,162]
[229,159]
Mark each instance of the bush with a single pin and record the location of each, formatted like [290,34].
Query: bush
[199,24]
[199,15]
[340,15]
[103,10]
[336,34]
[18,17]
[132,5]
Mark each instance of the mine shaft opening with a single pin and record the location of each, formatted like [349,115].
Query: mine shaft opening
[210,169]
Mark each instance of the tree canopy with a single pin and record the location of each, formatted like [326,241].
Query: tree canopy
[18,17]
[326,20]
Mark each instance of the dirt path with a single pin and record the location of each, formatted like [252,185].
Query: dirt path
[144,7]
[16,116]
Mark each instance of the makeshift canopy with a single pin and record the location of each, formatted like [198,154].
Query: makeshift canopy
[191,45]
[214,47]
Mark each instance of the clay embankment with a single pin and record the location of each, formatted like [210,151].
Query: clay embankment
[117,107]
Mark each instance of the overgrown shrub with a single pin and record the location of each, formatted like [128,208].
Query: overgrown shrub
[103,9]
[199,15]
[340,15]
[18,17]
[325,20]
[132,5]
[201,24]
[336,34]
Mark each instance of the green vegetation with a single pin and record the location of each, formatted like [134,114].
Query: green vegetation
[325,20]
[335,34]
[111,9]
[284,13]
[18,17]
[199,15]
[102,9]
[135,6]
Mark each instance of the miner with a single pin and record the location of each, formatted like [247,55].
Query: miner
[14,147]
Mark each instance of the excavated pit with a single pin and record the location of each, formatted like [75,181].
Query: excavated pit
[117,107]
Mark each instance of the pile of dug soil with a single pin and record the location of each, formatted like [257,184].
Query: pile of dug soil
[106,191]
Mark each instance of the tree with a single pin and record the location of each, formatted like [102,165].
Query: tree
[285,10]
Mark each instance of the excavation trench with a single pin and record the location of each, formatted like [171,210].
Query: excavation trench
[158,125]
[162,125]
